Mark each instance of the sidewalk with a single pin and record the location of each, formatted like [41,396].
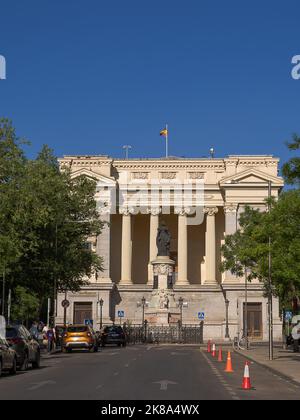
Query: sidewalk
[285,362]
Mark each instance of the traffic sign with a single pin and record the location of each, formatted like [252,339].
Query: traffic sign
[65,303]
[288,315]
[201,315]
[88,322]
[121,314]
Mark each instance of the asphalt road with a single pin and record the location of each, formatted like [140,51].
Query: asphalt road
[144,373]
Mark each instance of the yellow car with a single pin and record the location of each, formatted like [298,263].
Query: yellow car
[79,337]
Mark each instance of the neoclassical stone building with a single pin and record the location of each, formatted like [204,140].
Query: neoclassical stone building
[128,242]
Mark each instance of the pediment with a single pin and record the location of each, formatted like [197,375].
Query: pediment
[101,179]
[251,176]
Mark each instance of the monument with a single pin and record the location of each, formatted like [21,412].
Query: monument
[162,308]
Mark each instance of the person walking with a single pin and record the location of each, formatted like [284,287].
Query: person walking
[51,339]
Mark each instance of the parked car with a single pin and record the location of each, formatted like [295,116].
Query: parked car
[79,337]
[113,334]
[25,346]
[8,358]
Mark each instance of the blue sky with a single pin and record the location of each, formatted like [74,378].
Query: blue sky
[89,77]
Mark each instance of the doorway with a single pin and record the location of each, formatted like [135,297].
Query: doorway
[82,311]
[254,320]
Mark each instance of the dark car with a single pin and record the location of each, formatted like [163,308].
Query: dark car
[113,335]
[8,358]
[26,347]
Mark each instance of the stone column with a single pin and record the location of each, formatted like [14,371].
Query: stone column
[126,253]
[230,211]
[154,223]
[182,279]
[210,245]
[103,248]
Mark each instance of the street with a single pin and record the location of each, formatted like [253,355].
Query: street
[171,372]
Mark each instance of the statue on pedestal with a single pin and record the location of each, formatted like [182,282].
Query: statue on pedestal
[163,240]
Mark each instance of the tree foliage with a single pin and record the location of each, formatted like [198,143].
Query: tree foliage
[25,305]
[291,169]
[46,218]
[249,246]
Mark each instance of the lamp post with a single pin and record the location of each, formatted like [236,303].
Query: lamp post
[3,293]
[226,327]
[143,302]
[101,301]
[143,309]
[246,310]
[270,300]
[180,304]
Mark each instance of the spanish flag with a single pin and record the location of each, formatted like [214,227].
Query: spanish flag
[164,132]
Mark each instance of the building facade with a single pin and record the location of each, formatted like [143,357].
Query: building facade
[200,201]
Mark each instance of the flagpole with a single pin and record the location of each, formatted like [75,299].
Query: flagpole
[167,146]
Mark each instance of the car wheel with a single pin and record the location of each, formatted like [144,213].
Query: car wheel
[69,350]
[37,363]
[25,363]
[0,368]
[119,344]
[13,370]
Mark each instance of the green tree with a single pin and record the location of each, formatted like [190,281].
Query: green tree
[249,246]
[291,169]
[56,217]
[25,305]
[46,218]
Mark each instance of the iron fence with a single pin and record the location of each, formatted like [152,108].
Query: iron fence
[186,334]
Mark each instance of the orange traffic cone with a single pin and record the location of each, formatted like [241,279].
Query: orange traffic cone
[220,357]
[246,380]
[228,368]
[208,347]
[213,353]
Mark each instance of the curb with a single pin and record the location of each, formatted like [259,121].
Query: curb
[269,368]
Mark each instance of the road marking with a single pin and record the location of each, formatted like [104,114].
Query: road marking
[174,353]
[116,373]
[164,384]
[99,386]
[127,365]
[40,385]
[222,381]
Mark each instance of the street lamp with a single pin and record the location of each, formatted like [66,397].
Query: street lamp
[143,302]
[226,327]
[101,301]
[3,293]
[246,310]
[180,304]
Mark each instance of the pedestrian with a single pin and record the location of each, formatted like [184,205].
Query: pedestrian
[50,339]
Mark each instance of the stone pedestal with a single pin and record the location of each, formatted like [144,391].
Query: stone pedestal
[162,308]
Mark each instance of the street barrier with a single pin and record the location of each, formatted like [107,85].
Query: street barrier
[246,379]
[228,368]
[213,353]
